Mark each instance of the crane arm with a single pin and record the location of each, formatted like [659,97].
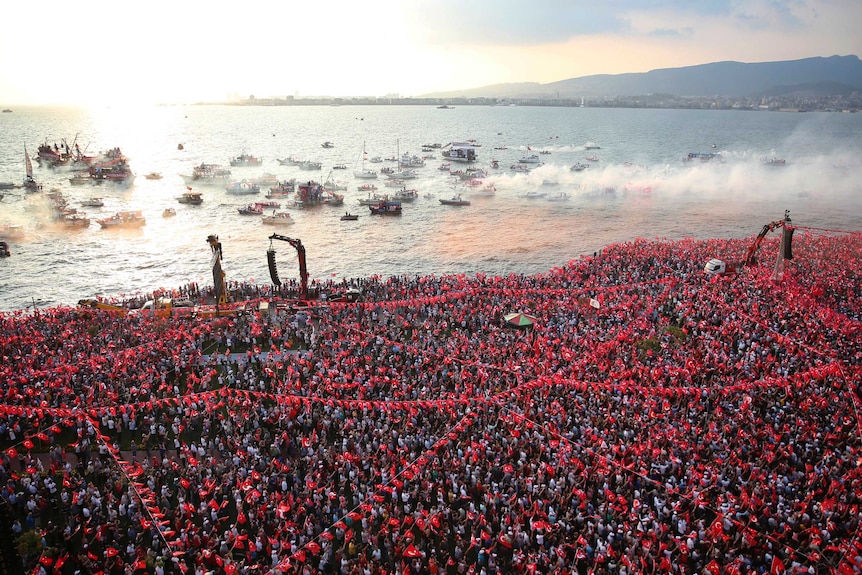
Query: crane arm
[300,254]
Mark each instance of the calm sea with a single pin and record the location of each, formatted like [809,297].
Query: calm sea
[638,188]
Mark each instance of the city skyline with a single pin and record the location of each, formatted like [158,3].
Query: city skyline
[98,53]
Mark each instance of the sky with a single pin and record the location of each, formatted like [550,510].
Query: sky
[99,52]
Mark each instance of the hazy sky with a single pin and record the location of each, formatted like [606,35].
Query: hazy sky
[98,51]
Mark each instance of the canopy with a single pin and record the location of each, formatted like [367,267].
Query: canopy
[518,319]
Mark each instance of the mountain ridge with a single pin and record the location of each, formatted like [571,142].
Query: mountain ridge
[830,75]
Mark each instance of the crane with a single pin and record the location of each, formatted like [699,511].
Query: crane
[300,253]
[717,266]
[218,275]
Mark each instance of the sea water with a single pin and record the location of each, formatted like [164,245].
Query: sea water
[638,187]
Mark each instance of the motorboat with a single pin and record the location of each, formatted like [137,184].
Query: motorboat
[278,219]
[531,159]
[169,213]
[310,165]
[80,178]
[75,221]
[153,176]
[386,208]
[367,188]
[348,217]
[373,199]
[774,162]
[125,219]
[328,144]
[592,158]
[251,210]
[246,160]
[455,201]
[405,195]
[191,198]
[579,167]
[93,203]
[242,188]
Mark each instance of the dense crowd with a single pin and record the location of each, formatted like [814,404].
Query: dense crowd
[653,419]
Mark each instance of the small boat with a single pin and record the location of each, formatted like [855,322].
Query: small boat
[93,203]
[328,144]
[7,110]
[191,198]
[367,188]
[520,167]
[486,191]
[268,204]
[127,219]
[592,146]
[558,197]
[405,195]
[7,186]
[169,213]
[79,178]
[372,199]
[251,210]
[531,159]
[310,165]
[348,217]
[774,162]
[445,166]
[579,167]
[242,188]
[455,201]
[278,219]
[339,167]
[592,158]
[386,208]
[153,176]
[75,221]
[246,160]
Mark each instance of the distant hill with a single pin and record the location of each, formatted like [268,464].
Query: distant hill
[833,75]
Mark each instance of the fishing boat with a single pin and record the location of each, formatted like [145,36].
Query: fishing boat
[251,210]
[191,198]
[386,208]
[246,160]
[455,201]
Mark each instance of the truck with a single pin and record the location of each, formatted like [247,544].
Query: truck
[717,266]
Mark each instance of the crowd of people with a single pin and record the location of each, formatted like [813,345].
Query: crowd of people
[652,419]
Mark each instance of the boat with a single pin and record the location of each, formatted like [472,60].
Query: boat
[364,173]
[486,191]
[699,157]
[75,221]
[328,144]
[579,167]
[531,159]
[558,197]
[405,195]
[251,210]
[367,188]
[592,158]
[332,185]
[208,175]
[265,180]
[169,213]
[126,219]
[533,195]
[520,167]
[7,186]
[244,160]
[461,154]
[243,187]
[445,107]
[79,178]
[310,165]
[12,231]
[29,183]
[289,161]
[7,110]
[153,176]
[455,201]
[93,203]
[386,208]
[394,183]
[774,162]
[4,246]
[282,189]
[278,219]
[592,146]
[348,217]
[445,166]
[339,167]
[191,198]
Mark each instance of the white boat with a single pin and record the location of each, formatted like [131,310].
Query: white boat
[278,219]
[243,187]
[127,219]
[463,155]
[405,195]
[486,191]
[531,159]
[364,173]
[80,178]
[579,167]
[29,182]
[93,203]
[558,197]
[310,165]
